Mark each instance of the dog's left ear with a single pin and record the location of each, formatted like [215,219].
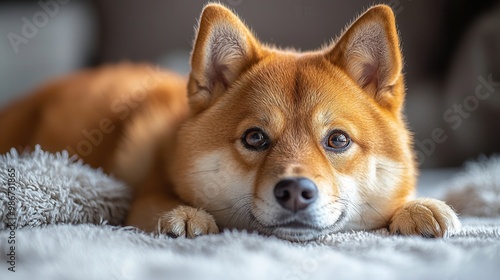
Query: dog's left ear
[369,53]
[224,47]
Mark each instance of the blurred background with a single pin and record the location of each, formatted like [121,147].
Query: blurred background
[451,50]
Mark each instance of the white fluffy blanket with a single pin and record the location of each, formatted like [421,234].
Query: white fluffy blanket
[99,251]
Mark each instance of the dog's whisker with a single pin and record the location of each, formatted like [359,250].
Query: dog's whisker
[245,205]
[203,171]
[377,212]
[232,204]
[239,214]
[242,215]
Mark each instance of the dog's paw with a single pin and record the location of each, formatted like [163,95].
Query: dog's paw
[426,217]
[185,221]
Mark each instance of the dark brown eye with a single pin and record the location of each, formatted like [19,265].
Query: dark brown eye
[338,141]
[255,139]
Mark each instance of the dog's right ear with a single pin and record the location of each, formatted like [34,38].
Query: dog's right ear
[224,47]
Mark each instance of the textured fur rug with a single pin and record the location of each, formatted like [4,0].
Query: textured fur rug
[64,211]
[54,189]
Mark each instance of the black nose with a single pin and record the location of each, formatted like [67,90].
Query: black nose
[295,194]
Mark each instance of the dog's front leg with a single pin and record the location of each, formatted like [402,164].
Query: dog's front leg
[158,210]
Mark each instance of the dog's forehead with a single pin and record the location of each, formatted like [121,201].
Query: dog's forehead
[299,86]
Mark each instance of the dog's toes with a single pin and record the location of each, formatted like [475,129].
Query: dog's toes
[426,217]
[185,221]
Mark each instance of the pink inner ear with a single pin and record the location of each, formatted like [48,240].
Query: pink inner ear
[368,56]
[226,53]
[216,74]
[369,75]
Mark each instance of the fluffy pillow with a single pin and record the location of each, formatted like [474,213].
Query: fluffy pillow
[40,188]
[476,191]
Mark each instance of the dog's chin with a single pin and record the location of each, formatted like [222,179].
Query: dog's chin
[296,234]
[297,231]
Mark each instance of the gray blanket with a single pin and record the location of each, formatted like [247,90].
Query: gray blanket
[54,249]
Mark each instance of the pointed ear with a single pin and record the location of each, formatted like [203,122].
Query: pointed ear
[369,53]
[224,47]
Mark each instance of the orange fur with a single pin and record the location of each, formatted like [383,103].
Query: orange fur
[176,147]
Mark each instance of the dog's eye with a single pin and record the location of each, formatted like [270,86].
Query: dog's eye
[338,141]
[255,139]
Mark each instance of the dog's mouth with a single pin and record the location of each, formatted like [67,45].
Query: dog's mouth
[295,225]
[298,231]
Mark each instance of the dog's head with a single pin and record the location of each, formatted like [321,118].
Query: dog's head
[295,144]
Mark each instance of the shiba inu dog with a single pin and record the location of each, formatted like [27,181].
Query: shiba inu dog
[286,143]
